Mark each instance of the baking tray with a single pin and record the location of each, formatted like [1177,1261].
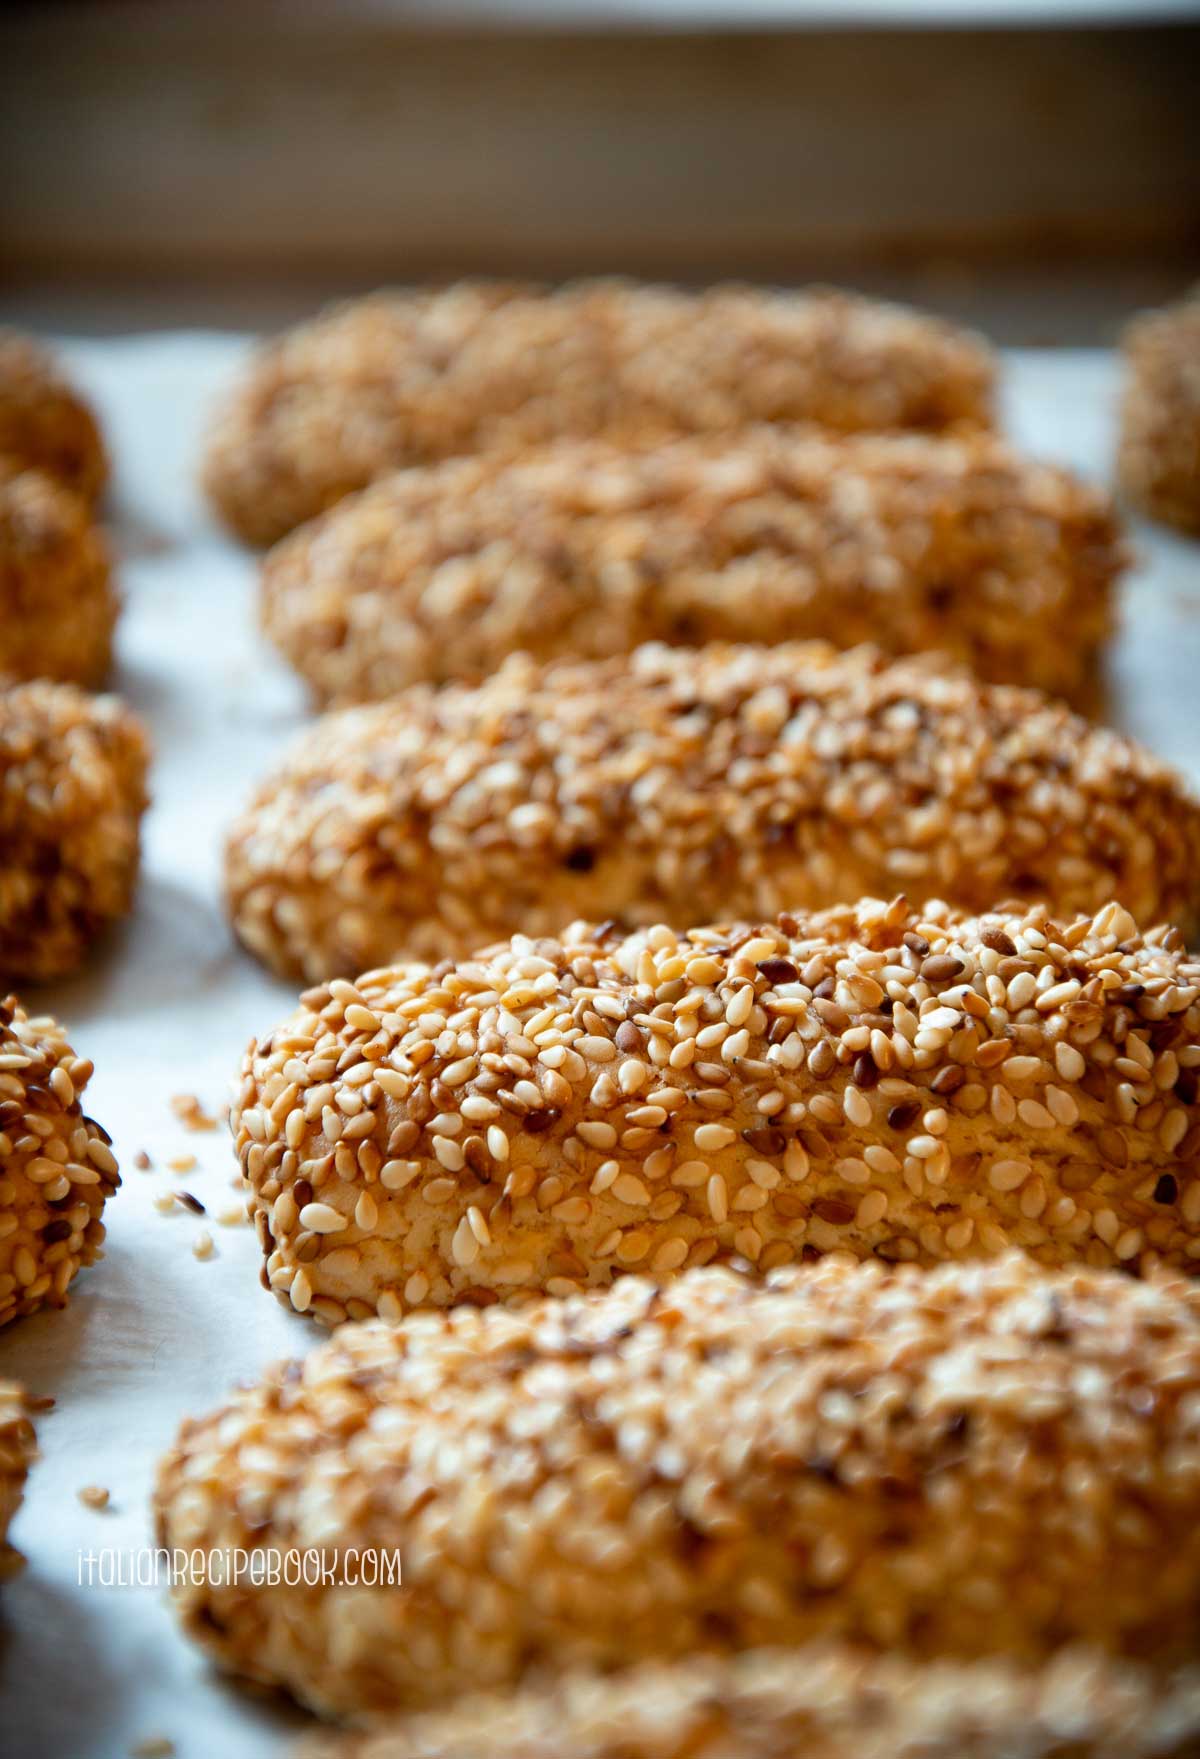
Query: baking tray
[87,1671]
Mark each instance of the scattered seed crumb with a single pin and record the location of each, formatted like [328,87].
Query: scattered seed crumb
[182,1163]
[234,1217]
[40,1402]
[190,1202]
[202,1246]
[142,1161]
[165,1204]
[94,1496]
[191,1113]
[153,1747]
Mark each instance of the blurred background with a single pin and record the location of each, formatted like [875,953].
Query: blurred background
[1033,167]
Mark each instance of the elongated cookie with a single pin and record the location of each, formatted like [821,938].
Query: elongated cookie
[941,1463]
[72,793]
[584,549]
[18,1448]
[819,1702]
[57,1167]
[1159,456]
[44,423]
[688,787]
[553,1114]
[58,605]
[408,378]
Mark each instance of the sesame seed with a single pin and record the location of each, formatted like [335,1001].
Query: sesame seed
[710,1138]
[322,1218]
[857,1107]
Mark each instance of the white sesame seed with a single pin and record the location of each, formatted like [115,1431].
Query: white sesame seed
[322,1218]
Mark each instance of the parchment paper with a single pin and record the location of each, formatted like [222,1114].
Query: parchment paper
[152,1333]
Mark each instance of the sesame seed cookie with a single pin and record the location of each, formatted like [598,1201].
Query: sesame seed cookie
[820,1702]
[57,1167]
[584,549]
[58,606]
[72,792]
[693,786]
[18,1450]
[1159,458]
[940,1463]
[550,1115]
[410,377]
[45,424]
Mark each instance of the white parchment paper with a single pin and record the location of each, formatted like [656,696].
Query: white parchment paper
[153,1334]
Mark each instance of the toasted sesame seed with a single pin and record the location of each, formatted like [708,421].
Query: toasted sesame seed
[191,1113]
[322,1218]
[857,1107]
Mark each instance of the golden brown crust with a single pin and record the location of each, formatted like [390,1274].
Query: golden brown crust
[680,786]
[18,1450]
[72,792]
[58,605]
[1159,459]
[819,1703]
[57,1168]
[45,424]
[938,1463]
[408,378]
[586,549]
[549,1116]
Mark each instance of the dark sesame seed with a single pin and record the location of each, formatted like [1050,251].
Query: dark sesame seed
[778,970]
[901,1116]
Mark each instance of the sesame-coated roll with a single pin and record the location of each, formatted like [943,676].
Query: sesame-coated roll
[72,792]
[583,549]
[942,1463]
[693,786]
[58,606]
[57,1167]
[820,1702]
[408,378]
[550,1115]
[18,1449]
[44,423]
[1159,460]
